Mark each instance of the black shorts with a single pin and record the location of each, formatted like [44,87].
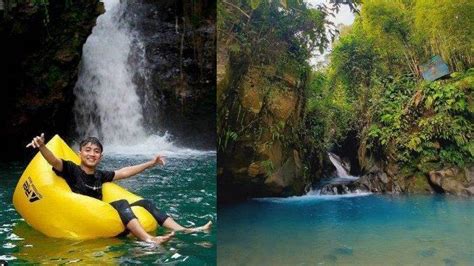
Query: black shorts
[126,214]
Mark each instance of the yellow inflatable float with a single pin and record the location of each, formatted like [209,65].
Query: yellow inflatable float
[47,203]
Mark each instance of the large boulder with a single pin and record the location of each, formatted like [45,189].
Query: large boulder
[377,181]
[289,174]
[454,180]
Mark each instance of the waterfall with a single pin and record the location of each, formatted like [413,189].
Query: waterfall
[341,172]
[341,184]
[107,104]
[337,162]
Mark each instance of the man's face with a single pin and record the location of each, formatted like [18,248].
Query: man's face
[90,155]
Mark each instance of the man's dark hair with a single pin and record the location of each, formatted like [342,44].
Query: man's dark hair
[91,140]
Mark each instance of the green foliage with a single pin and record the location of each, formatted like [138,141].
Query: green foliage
[277,131]
[353,61]
[428,122]
[386,20]
[268,166]
[269,32]
[329,116]
[229,136]
[445,27]
[374,84]
[388,24]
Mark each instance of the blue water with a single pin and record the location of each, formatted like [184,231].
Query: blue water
[185,188]
[362,230]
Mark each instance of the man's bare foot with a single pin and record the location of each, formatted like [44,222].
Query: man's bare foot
[160,239]
[205,228]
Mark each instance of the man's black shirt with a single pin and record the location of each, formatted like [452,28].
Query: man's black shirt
[83,183]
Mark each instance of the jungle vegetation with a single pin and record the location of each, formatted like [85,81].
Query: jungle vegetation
[373,85]
[371,90]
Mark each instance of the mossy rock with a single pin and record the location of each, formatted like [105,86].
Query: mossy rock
[282,105]
[419,184]
[223,75]
[251,99]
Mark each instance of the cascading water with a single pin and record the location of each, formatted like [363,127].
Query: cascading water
[340,184]
[107,104]
[341,172]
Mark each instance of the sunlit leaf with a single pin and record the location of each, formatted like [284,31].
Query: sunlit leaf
[254,3]
[428,102]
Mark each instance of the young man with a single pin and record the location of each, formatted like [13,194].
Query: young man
[85,179]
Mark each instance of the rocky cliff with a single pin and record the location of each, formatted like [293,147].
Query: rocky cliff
[179,46]
[261,109]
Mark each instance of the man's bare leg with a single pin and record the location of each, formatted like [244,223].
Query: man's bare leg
[173,225]
[137,230]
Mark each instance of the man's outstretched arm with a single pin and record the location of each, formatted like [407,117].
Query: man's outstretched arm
[136,169]
[38,142]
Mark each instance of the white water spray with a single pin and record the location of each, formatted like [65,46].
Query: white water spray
[341,172]
[342,176]
[107,104]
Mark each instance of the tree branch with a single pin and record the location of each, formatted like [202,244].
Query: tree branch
[236,7]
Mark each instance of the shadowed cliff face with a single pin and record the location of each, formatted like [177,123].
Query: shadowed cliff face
[40,54]
[261,110]
[178,86]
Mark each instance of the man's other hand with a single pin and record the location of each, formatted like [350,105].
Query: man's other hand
[37,142]
[159,160]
